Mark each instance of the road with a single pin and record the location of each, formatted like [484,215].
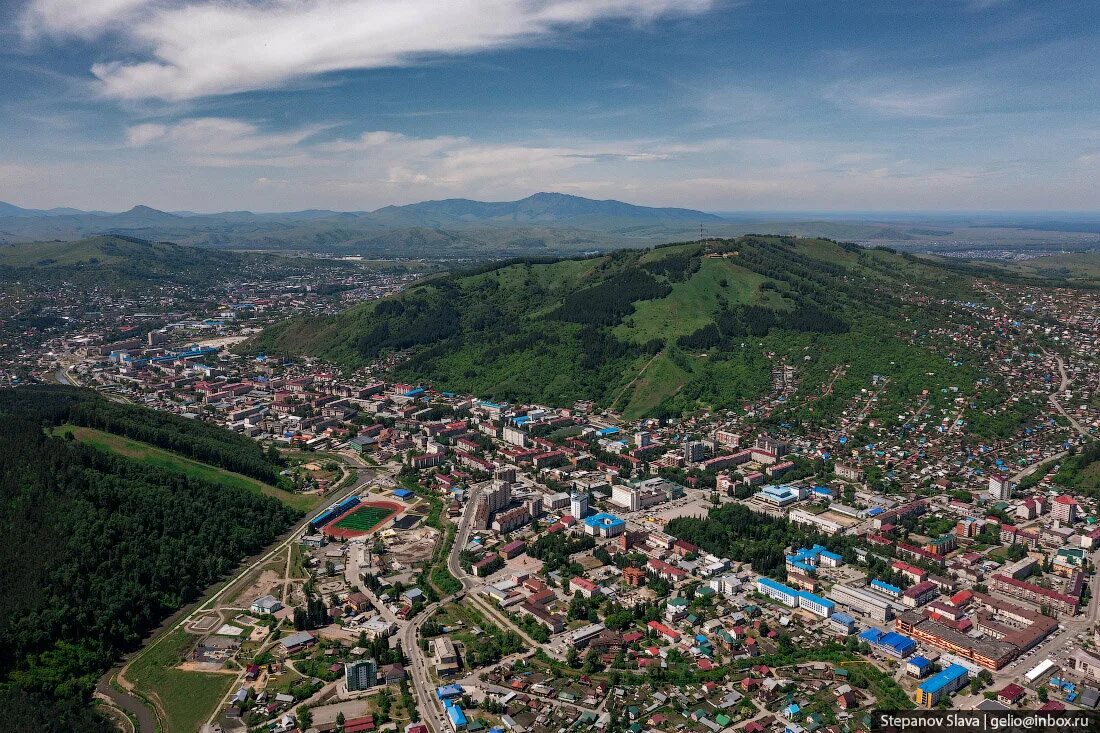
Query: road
[1058,405]
[129,702]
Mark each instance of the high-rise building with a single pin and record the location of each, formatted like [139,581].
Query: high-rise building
[999,488]
[361,674]
[694,451]
[578,504]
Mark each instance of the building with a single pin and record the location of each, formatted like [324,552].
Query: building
[582,637]
[694,451]
[842,623]
[604,525]
[999,488]
[817,521]
[890,643]
[918,667]
[777,591]
[881,586]
[864,601]
[578,504]
[1064,509]
[989,653]
[1087,665]
[265,605]
[779,495]
[919,594]
[360,675]
[1060,602]
[634,577]
[932,690]
[297,641]
[445,657]
[815,604]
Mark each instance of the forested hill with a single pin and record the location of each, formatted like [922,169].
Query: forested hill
[128,263]
[99,548]
[669,329]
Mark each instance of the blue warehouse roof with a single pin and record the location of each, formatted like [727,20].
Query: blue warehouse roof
[940,680]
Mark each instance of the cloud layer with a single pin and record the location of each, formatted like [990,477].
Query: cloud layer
[196,48]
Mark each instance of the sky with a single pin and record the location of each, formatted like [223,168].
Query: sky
[721,105]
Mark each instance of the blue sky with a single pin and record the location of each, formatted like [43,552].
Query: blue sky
[808,105]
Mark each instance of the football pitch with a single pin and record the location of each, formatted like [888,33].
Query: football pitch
[364,518]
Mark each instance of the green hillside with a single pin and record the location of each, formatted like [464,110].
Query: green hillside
[671,329]
[127,263]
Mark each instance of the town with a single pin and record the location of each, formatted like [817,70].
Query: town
[475,565]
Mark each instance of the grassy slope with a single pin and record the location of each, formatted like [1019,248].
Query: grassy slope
[188,698]
[550,370]
[164,459]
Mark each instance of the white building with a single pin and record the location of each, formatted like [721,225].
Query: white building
[578,504]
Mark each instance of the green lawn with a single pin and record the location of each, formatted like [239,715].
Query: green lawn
[187,698]
[173,462]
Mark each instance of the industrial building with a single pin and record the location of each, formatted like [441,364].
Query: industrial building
[865,602]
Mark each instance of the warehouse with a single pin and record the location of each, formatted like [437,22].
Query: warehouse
[869,604]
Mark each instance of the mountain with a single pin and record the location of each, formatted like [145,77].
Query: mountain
[12,210]
[665,330]
[128,263]
[541,209]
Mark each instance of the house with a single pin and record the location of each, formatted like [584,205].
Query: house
[1011,694]
[393,673]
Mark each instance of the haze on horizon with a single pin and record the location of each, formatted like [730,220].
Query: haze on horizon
[757,105]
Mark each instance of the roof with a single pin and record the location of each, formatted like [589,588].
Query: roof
[603,519]
[942,679]
[297,639]
[919,662]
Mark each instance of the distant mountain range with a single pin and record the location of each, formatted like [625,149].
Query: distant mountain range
[542,224]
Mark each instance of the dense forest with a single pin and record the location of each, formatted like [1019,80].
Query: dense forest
[736,532]
[98,550]
[195,439]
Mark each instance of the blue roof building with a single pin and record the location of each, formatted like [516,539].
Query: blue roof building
[932,690]
[402,493]
[918,667]
[604,525]
[455,716]
[884,587]
[448,692]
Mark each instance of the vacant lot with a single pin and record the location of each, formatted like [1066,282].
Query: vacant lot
[187,698]
[164,459]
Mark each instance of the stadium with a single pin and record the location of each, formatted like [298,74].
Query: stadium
[361,518]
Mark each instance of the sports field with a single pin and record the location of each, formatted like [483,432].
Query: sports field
[362,519]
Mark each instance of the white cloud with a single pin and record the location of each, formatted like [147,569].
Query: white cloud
[143,134]
[81,18]
[897,99]
[193,48]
